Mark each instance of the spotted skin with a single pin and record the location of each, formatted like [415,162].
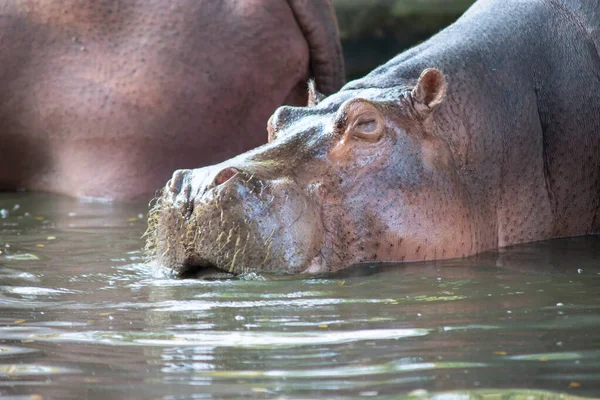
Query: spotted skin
[105,98]
[487,135]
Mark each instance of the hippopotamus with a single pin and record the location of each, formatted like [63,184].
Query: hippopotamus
[484,136]
[106,98]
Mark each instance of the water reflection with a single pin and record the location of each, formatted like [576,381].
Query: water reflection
[83,317]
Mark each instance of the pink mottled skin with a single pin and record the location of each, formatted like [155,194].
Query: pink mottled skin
[107,98]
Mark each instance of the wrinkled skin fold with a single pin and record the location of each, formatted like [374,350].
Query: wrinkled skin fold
[452,148]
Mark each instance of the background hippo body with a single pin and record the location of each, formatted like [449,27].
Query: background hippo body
[106,99]
[511,154]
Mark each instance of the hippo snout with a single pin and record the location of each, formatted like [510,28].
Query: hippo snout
[188,190]
[186,183]
[233,220]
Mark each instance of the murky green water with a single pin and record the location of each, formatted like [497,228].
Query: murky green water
[81,317]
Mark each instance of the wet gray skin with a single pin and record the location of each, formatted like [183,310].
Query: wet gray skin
[454,147]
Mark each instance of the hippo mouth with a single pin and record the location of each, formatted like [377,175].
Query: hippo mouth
[203,270]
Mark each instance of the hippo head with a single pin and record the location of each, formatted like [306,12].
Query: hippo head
[344,181]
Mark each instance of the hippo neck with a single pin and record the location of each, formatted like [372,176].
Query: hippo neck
[505,65]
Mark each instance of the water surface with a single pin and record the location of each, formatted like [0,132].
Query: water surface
[82,317]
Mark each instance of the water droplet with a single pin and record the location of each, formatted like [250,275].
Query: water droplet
[369,393]
[419,393]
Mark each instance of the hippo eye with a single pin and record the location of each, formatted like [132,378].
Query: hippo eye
[367,126]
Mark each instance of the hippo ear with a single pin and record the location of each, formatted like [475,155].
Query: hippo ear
[429,91]
[314,97]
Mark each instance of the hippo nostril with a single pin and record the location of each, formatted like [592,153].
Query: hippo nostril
[176,182]
[225,175]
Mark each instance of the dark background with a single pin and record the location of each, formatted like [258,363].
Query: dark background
[374,31]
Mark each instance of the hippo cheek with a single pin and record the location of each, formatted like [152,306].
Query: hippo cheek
[291,231]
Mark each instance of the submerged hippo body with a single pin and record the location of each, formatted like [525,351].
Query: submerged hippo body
[107,98]
[484,136]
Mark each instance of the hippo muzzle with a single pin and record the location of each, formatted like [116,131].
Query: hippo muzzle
[227,220]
